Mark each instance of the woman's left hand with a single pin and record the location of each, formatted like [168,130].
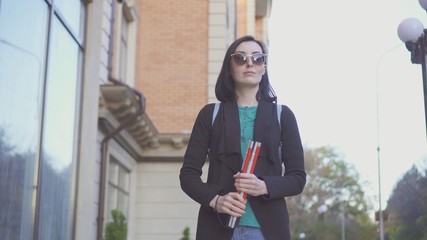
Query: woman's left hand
[249,184]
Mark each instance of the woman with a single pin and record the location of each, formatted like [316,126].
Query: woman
[247,112]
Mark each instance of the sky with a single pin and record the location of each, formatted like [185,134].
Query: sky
[342,69]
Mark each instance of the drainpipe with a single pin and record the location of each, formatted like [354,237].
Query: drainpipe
[104,158]
[104,144]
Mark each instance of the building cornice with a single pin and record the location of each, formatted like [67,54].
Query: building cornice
[140,138]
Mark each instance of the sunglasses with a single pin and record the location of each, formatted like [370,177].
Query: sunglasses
[242,58]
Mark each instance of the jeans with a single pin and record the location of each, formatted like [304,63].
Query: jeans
[247,233]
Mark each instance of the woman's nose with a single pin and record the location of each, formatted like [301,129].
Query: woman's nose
[249,62]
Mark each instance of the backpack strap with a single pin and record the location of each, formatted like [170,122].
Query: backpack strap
[215,112]
[279,112]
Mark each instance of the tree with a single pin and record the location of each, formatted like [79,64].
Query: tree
[14,203]
[407,207]
[334,183]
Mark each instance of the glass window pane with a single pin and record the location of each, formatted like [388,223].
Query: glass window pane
[58,136]
[123,62]
[124,30]
[124,179]
[21,79]
[72,11]
[123,48]
[113,175]
[122,203]
[112,202]
[118,191]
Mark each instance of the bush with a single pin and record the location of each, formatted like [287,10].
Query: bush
[186,234]
[117,229]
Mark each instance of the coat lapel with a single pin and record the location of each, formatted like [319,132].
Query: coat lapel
[232,127]
[229,146]
[264,132]
[263,121]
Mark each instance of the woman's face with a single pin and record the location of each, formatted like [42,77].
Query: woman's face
[247,73]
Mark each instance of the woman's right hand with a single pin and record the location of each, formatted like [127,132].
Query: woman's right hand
[232,204]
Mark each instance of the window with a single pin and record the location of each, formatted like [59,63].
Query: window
[40,74]
[126,39]
[123,48]
[118,189]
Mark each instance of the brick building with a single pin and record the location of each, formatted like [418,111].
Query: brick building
[180,48]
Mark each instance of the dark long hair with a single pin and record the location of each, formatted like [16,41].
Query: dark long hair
[225,89]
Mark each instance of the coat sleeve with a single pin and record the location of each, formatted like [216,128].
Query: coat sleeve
[194,159]
[294,179]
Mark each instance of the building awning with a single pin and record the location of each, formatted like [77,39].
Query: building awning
[119,104]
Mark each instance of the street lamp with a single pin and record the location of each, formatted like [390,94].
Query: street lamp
[321,210]
[380,211]
[411,31]
[423,3]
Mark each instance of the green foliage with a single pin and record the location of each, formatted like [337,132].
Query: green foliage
[117,229]
[186,234]
[407,207]
[333,182]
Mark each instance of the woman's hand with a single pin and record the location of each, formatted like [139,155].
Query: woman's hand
[249,184]
[231,203]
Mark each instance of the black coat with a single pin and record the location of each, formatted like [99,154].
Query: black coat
[222,140]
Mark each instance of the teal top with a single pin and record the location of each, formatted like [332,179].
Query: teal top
[247,121]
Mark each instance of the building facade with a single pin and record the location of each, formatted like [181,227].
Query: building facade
[97,102]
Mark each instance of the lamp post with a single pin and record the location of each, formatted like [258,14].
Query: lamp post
[380,211]
[411,31]
[342,206]
[321,211]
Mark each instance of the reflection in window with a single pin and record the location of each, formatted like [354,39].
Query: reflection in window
[28,95]
[118,189]
[72,13]
[22,54]
[58,141]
